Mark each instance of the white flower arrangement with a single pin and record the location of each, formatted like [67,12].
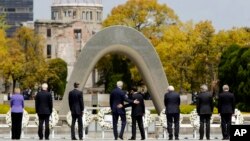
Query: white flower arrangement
[53,120]
[87,118]
[147,118]
[163,119]
[102,121]
[25,120]
[237,118]
[195,119]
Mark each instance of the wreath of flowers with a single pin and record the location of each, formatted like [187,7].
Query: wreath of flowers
[146,120]
[53,119]
[25,119]
[87,118]
[237,117]
[101,118]
[163,118]
[195,119]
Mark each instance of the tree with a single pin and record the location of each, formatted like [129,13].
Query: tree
[13,67]
[24,62]
[114,70]
[234,70]
[57,75]
[146,16]
[3,24]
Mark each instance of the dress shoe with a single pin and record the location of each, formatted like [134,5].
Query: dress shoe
[170,139]
[74,139]
[142,138]
[121,138]
[131,139]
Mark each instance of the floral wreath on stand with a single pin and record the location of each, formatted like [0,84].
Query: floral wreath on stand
[87,118]
[25,120]
[53,119]
[237,118]
[146,120]
[101,118]
[195,119]
[163,119]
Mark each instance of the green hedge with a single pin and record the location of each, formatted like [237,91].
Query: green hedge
[187,109]
[5,108]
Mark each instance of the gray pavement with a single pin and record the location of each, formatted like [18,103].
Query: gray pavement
[96,136]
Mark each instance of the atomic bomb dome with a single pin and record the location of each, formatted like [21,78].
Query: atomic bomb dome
[86,10]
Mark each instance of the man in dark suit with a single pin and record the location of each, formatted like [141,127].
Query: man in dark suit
[76,107]
[172,103]
[226,106]
[117,98]
[204,109]
[44,105]
[138,111]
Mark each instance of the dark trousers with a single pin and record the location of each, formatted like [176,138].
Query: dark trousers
[173,118]
[225,124]
[115,117]
[140,124]
[16,125]
[80,126]
[43,118]
[205,119]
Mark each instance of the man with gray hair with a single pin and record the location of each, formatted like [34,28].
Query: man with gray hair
[44,105]
[117,98]
[226,106]
[172,103]
[204,109]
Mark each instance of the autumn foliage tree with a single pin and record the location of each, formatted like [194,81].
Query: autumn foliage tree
[146,16]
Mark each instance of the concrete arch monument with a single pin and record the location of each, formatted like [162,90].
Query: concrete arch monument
[126,41]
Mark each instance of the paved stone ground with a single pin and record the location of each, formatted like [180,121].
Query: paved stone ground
[93,136]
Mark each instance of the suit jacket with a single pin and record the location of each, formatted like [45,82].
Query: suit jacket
[76,104]
[204,103]
[138,109]
[172,103]
[43,102]
[226,103]
[117,97]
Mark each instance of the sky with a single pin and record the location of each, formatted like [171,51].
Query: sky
[224,14]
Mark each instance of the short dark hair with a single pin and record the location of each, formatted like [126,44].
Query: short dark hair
[76,84]
[134,89]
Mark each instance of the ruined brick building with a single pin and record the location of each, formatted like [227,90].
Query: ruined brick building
[72,24]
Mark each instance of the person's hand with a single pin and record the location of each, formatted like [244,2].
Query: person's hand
[136,101]
[119,106]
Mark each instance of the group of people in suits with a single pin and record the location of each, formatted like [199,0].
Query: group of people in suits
[117,98]
[204,106]
[44,105]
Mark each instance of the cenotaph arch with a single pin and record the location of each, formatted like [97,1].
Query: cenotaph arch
[125,41]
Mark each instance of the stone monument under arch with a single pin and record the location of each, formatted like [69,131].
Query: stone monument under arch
[126,41]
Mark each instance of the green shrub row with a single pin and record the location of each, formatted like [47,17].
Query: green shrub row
[187,109]
[5,108]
